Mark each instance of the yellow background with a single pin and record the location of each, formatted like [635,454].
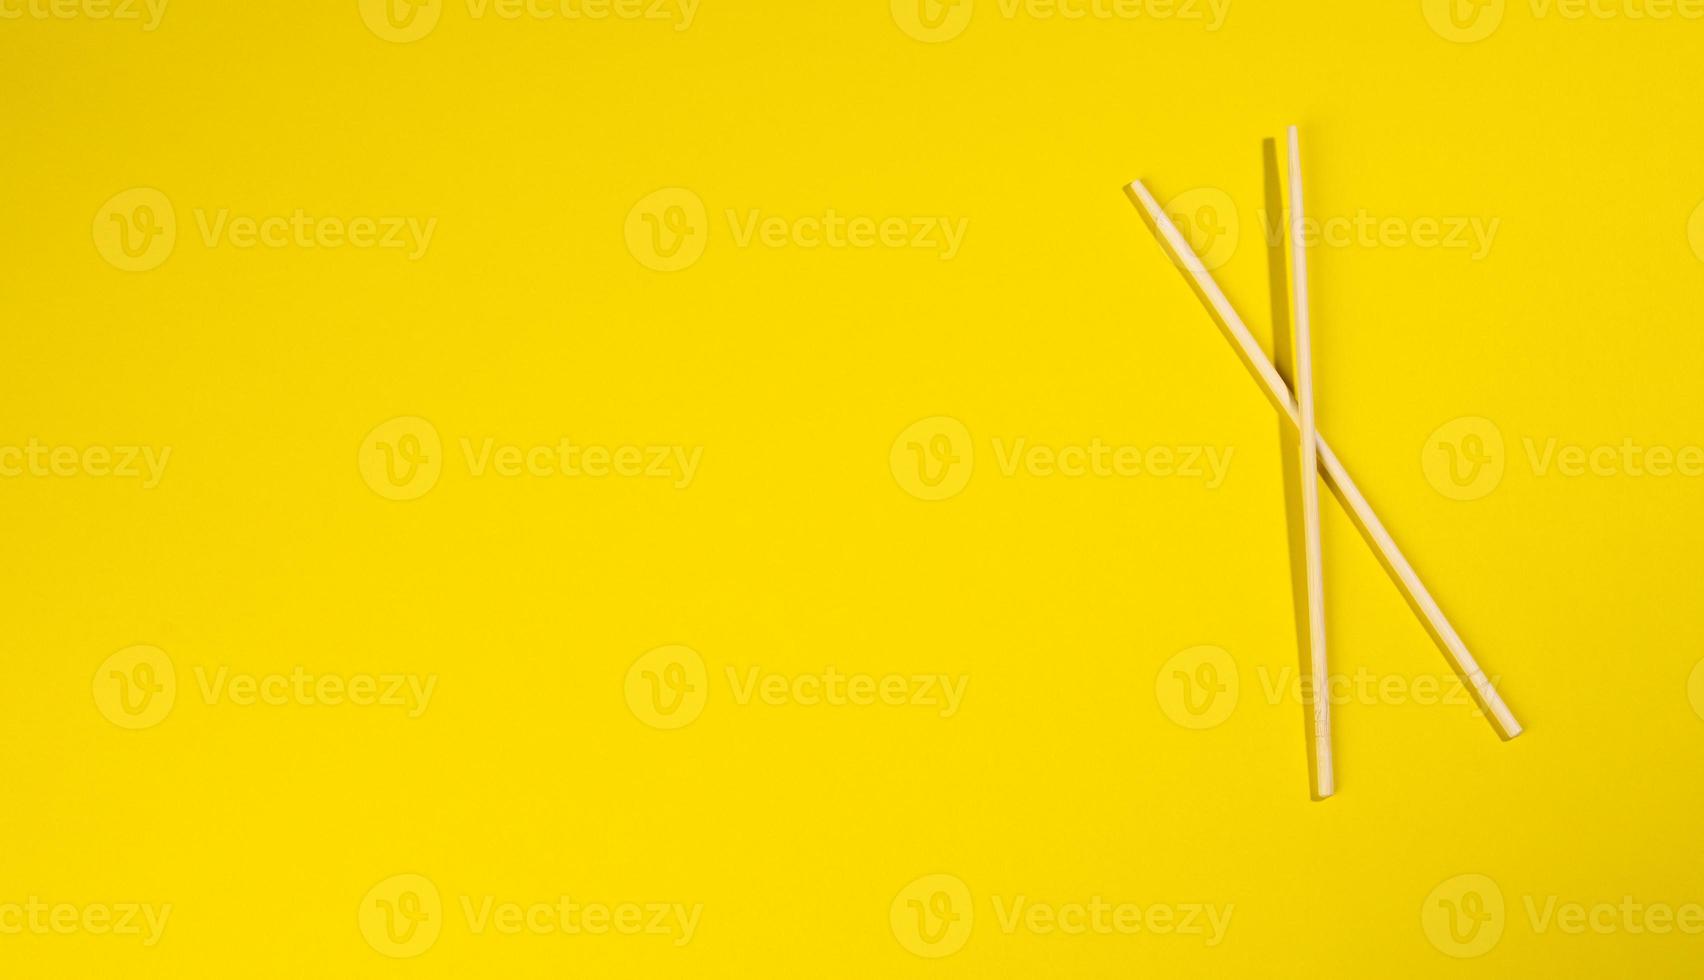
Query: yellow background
[795,547]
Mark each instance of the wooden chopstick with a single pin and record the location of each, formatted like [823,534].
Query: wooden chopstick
[1484,693]
[1325,782]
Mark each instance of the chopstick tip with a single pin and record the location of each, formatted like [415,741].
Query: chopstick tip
[1140,191]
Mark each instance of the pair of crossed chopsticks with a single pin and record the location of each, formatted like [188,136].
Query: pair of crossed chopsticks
[1316,455]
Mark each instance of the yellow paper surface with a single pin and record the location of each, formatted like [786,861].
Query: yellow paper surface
[621,488]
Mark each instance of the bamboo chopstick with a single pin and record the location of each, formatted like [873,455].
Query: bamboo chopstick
[1360,510]
[1325,782]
